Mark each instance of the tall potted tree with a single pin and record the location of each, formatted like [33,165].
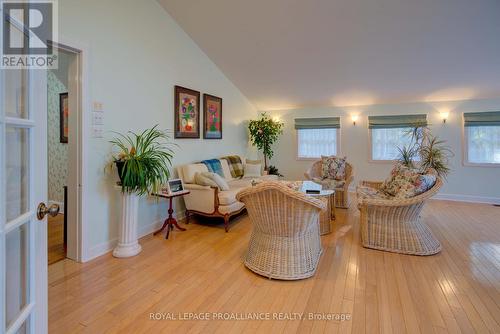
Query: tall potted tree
[143,162]
[264,132]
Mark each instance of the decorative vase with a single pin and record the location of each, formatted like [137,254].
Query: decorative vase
[128,244]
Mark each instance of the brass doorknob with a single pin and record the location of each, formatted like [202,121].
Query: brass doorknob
[43,209]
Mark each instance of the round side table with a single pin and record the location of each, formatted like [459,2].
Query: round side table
[325,218]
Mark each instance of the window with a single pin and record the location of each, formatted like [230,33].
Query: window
[385,142]
[313,143]
[317,137]
[388,133]
[482,132]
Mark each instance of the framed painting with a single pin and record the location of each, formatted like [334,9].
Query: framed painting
[63,118]
[212,115]
[187,113]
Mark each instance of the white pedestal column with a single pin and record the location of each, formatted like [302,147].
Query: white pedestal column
[127,243]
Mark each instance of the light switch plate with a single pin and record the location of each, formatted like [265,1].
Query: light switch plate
[97,106]
[97,118]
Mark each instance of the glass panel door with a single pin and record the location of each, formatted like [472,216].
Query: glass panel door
[23,150]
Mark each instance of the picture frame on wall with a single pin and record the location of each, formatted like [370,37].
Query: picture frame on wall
[186,113]
[63,118]
[212,117]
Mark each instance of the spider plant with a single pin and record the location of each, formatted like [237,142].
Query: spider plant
[143,160]
[428,149]
[435,155]
[407,156]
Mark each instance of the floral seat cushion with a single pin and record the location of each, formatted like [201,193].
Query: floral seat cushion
[329,184]
[369,192]
[406,182]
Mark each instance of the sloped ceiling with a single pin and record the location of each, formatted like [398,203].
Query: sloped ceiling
[295,53]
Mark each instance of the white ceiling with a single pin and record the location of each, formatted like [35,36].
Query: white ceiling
[295,53]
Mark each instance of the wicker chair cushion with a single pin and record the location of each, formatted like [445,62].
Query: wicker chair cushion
[369,192]
[406,182]
[329,183]
[333,167]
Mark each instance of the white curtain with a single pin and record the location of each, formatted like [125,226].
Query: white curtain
[483,144]
[313,143]
[385,142]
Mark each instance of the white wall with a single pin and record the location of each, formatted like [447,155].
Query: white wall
[137,54]
[464,182]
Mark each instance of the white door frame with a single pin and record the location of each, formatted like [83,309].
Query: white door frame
[79,249]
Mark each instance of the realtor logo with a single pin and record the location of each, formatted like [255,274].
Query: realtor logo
[28,31]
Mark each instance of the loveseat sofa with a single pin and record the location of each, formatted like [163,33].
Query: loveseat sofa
[210,201]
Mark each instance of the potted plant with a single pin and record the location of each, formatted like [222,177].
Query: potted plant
[264,132]
[425,152]
[273,170]
[143,162]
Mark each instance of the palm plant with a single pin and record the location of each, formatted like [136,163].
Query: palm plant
[144,160]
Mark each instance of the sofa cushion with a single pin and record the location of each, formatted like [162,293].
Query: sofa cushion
[219,180]
[212,180]
[202,180]
[333,167]
[225,170]
[240,183]
[252,169]
[228,197]
[190,170]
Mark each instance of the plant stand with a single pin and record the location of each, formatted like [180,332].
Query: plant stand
[128,244]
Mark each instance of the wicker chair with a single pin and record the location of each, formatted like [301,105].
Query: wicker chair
[341,191]
[285,242]
[395,225]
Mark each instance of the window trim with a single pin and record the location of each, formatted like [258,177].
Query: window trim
[465,152]
[298,158]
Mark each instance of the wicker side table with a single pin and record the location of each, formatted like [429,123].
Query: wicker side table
[325,218]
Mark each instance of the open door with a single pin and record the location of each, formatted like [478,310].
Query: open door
[23,187]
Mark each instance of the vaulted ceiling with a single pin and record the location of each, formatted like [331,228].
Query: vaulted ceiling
[295,53]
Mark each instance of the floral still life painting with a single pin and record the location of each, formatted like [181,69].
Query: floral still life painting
[187,113]
[212,113]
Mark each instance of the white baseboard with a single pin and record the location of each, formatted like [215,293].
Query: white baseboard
[109,245]
[468,198]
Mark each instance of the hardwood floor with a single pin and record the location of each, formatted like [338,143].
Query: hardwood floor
[55,239]
[201,270]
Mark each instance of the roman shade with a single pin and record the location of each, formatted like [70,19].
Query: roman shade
[317,123]
[490,118]
[398,121]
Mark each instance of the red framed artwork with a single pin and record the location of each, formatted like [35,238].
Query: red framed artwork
[187,113]
[212,117]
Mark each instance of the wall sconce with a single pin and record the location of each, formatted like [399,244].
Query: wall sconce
[354,119]
[444,115]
